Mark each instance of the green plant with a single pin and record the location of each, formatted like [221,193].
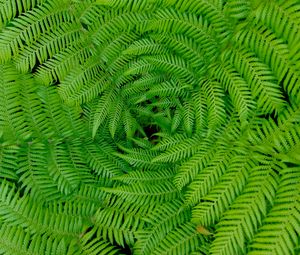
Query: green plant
[150,127]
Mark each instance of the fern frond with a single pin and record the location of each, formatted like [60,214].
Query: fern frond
[189,169]
[188,118]
[287,12]
[32,25]
[223,193]
[116,21]
[60,119]
[201,110]
[215,103]
[240,222]
[100,162]
[116,226]
[132,5]
[181,150]
[130,123]
[176,120]
[73,89]
[102,109]
[162,221]
[116,115]
[195,54]
[211,10]
[182,240]
[57,67]
[61,169]
[237,9]
[144,47]
[142,159]
[34,177]
[14,240]
[110,51]
[12,121]
[91,245]
[149,127]
[169,141]
[237,88]
[263,83]
[274,53]
[10,9]
[173,64]
[146,177]
[175,22]
[16,211]
[280,228]
[271,138]
[47,46]
[208,176]
[204,153]
[165,89]
[141,84]
[145,194]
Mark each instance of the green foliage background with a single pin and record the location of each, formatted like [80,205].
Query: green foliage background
[150,127]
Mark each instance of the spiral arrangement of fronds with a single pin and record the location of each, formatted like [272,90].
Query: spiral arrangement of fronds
[149,127]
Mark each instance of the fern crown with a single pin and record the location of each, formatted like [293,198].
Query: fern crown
[150,127]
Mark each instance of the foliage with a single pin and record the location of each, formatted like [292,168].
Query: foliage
[150,127]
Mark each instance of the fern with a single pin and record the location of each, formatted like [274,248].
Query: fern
[149,127]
